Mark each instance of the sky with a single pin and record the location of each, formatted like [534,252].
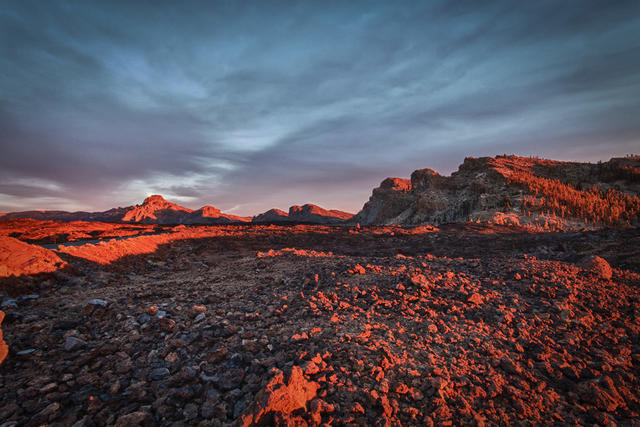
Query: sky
[253,105]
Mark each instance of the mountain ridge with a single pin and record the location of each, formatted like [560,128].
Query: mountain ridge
[506,190]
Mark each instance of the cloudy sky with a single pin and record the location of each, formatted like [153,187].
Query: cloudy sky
[254,105]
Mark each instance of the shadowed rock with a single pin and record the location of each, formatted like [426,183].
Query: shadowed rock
[4,348]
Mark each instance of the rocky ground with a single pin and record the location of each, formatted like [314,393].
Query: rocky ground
[465,324]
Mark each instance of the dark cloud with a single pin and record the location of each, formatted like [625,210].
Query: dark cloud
[251,106]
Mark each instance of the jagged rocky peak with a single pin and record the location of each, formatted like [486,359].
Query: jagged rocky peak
[155,199]
[158,202]
[396,184]
[426,178]
[155,209]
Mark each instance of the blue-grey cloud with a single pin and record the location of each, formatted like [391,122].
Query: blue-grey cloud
[251,106]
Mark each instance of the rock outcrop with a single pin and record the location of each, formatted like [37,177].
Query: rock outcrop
[512,190]
[306,214]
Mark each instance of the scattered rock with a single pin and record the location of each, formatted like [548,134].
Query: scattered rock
[9,303]
[138,418]
[159,374]
[190,411]
[440,339]
[358,269]
[475,299]
[74,343]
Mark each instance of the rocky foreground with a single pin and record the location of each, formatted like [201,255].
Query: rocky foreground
[461,325]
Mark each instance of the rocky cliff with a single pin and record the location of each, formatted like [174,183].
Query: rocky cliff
[512,190]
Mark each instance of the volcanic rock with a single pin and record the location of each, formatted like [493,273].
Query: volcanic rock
[138,418]
[461,324]
[4,348]
[74,343]
[280,399]
[159,374]
[512,190]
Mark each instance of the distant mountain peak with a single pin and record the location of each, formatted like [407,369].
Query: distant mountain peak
[154,199]
[156,209]
[307,213]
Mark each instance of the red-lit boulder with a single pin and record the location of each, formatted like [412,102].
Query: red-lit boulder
[278,400]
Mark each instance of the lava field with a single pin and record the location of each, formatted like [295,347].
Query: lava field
[313,325]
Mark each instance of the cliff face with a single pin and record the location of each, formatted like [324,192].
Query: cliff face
[513,190]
